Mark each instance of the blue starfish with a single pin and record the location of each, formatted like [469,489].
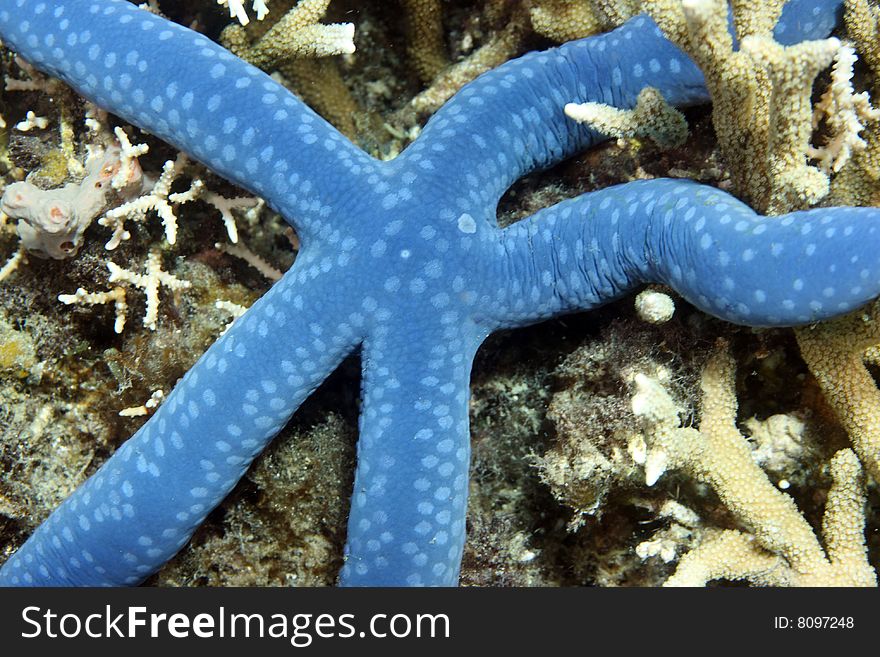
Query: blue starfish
[405,261]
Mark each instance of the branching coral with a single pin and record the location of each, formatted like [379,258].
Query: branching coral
[859,183]
[782,549]
[426,48]
[652,117]
[31,121]
[564,20]
[835,352]
[159,199]
[502,45]
[761,93]
[116,296]
[845,114]
[296,46]
[317,78]
[508,23]
[238,11]
[241,251]
[321,84]
[761,98]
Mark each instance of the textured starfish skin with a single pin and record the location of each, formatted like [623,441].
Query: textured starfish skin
[403,260]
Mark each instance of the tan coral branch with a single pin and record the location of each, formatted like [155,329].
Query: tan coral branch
[426,46]
[718,455]
[501,47]
[730,555]
[834,351]
[652,117]
[761,97]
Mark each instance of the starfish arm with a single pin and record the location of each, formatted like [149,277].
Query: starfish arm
[146,501]
[712,249]
[194,94]
[510,120]
[407,522]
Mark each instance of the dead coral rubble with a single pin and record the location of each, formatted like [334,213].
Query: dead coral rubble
[149,282]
